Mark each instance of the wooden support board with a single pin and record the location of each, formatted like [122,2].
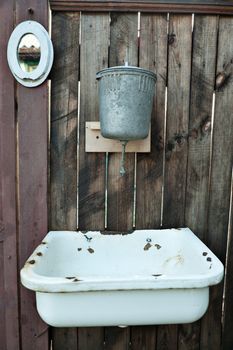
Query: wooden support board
[95,142]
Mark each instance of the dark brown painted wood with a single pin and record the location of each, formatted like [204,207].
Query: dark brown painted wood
[63,148]
[32,118]
[220,181]
[123,47]
[179,72]
[228,302]
[167,337]
[197,188]
[143,338]
[91,205]
[64,338]
[159,6]
[91,338]
[9,316]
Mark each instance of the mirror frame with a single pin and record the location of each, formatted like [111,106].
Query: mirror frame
[38,75]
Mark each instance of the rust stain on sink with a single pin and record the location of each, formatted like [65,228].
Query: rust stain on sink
[147,246]
[90,250]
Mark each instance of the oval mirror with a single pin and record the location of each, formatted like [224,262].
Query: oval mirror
[29,52]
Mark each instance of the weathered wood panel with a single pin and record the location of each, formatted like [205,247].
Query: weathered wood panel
[228,302]
[123,48]
[220,181]
[152,56]
[64,119]
[94,57]
[9,322]
[199,138]
[91,204]
[143,338]
[159,6]
[63,148]
[179,72]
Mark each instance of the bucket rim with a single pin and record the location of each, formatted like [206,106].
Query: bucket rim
[125,69]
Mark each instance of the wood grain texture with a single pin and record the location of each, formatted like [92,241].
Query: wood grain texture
[9,315]
[63,148]
[159,6]
[32,118]
[152,56]
[64,120]
[179,72]
[94,57]
[167,337]
[91,338]
[227,337]
[117,338]
[197,188]
[143,338]
[220,181]
[91,204]
[202,88]
[64,338]
[123,47]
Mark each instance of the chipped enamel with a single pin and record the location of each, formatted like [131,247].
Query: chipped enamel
[145,277]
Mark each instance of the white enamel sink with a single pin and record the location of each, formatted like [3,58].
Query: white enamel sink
[146,277]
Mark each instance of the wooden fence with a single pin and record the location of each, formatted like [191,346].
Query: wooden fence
[186,180]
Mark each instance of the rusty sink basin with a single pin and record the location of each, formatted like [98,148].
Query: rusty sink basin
[145,277]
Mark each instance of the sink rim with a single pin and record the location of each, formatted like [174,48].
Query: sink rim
[40,283]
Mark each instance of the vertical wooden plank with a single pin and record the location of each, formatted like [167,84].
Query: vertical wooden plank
[179,64]
[63,149]
[179,71]
[220,181]
[143,338]
[152,56]
[202,88]
[123,47]
[64,118]
[91,211]
[32,120]
[197,188]
[9,322]
[228,303]
[94,57]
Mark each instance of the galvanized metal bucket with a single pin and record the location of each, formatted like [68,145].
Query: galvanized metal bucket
[125,102]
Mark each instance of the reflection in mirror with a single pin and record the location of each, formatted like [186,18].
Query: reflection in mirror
[29,52]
